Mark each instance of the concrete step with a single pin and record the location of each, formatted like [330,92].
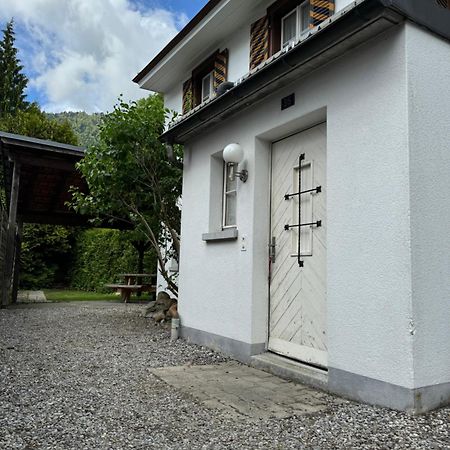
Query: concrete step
[290,370]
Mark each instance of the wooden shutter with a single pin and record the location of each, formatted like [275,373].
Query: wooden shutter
[259,42]
[444,3]
[188,96]
[220,68]
[320,11]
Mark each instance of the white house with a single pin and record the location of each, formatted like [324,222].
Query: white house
[348,103]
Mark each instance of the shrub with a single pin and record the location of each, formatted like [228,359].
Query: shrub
[101,254]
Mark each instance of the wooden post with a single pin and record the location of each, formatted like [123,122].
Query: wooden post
[11,235]
[16,272]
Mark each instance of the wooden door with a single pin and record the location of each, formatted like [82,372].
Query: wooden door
[297,325]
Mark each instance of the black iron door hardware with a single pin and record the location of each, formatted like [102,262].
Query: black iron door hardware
[272,250]
[316,190]
[318,223]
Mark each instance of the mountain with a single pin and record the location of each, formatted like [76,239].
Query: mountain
[85,126]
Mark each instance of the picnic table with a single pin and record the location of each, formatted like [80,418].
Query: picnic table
[133,282]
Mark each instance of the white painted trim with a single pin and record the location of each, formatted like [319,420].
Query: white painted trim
[285,44]
[298,26]
[225,198]
[295,233]
[211,86]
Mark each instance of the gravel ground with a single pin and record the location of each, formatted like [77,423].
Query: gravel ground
[76,376]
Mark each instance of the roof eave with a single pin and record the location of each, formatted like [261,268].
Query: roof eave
[203,13]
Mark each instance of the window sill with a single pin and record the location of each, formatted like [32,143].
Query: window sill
[229,234]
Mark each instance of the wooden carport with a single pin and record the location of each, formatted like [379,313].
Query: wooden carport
[37,177]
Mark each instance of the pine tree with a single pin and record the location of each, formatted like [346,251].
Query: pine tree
[12,81]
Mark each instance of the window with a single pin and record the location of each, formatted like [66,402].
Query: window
[295,23]
[229,198]
[202,81]
[288,20]
[207,87]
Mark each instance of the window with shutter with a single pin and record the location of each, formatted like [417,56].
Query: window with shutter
[259,42]
[289,19]
[206,78]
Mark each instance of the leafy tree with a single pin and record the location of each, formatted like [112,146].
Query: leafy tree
[131,178]
[35,123]
[12,82]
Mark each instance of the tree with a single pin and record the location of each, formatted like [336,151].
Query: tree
[131,178]
[35,123]
[12,82]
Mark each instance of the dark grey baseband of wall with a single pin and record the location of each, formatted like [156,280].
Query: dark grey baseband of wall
[242,351]
[376,392]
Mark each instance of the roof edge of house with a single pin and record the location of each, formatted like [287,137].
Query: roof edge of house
[204,12]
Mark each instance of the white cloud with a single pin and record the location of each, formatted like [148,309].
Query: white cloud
[86,52]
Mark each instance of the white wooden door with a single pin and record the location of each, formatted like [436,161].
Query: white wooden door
[297,325]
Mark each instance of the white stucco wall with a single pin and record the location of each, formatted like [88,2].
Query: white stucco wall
[239,53]
[363,97]
[428,62]
[174,98]
[341,4]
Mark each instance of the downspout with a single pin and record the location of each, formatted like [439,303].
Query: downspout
[171,154]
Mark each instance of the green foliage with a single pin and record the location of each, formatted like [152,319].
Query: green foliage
[34,123]
[12,82]
[101,254]
[130,176]
[86,126]
[46,255]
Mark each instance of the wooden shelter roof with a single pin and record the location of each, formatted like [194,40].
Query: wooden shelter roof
[47,171]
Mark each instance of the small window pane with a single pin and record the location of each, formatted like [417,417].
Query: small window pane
[206,87]
[289,27]
[230,209]
[304,17]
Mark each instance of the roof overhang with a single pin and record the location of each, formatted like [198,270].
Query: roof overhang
[354,25]
[196,42]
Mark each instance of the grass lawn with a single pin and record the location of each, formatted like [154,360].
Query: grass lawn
[56,295]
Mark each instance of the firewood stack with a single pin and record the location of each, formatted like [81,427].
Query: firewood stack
[163,309]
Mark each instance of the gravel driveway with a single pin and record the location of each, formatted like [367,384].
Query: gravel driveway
[77,376]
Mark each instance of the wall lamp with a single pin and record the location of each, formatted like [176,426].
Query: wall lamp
[233,154]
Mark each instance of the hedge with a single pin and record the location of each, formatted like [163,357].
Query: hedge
[101,254]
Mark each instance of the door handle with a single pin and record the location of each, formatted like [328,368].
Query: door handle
[272,250]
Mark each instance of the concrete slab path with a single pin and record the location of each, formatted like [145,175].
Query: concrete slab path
[243,391]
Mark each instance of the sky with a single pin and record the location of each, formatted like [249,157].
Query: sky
[80,55]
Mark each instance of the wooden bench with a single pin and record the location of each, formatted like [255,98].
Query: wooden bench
[127,289]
